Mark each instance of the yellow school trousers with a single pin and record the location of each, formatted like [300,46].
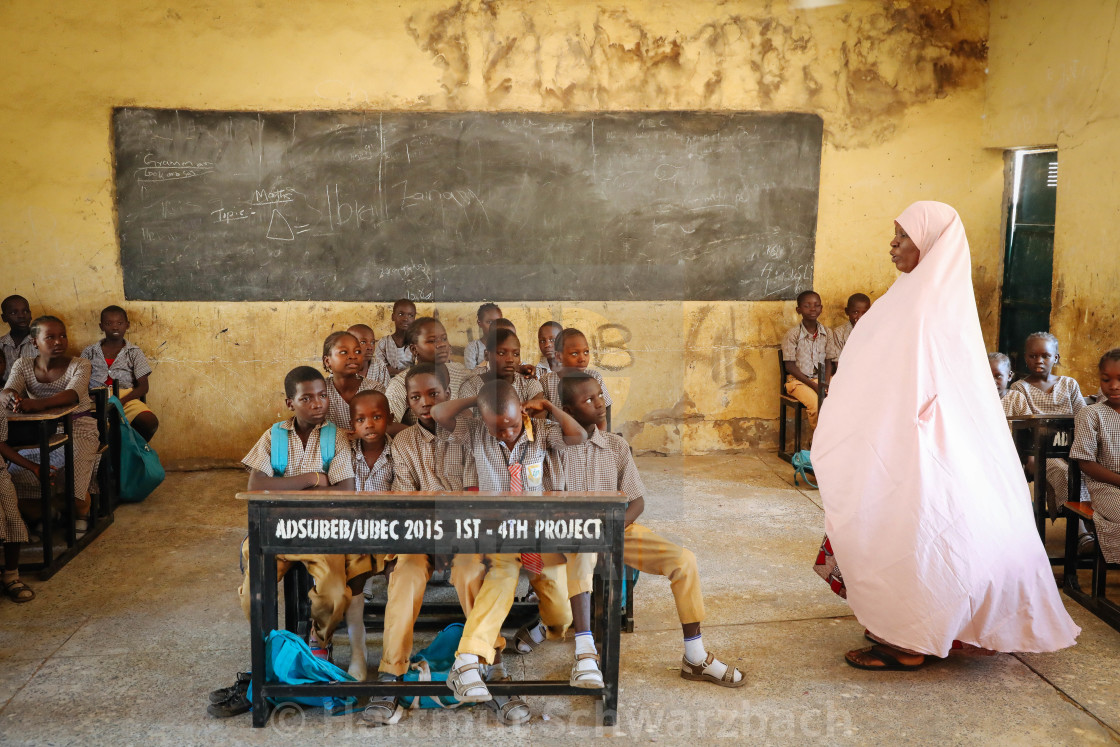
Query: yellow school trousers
[651,553]
[330,596]
[482,633]
[405,596]
[805,395]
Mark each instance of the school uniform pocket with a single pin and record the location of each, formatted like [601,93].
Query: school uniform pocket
[534,475]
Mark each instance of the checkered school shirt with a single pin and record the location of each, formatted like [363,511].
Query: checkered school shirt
[602,462]
[551,384]
[378,374]
[302,460]
[836,341]
[808,352]
[379,476]
[339,412]
[129,365]
[398,400]
[525,387]
[13,352]
[76,377]
[1096,438]
[3,435]
[1015,404]
[474,355]
[386,352]
[492,457]
[423,460]
[1064,399]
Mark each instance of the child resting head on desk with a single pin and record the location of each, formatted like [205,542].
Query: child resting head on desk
[305,452]
[604,462]
[55,379]
[513,452]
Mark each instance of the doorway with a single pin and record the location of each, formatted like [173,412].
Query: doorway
[1028,262]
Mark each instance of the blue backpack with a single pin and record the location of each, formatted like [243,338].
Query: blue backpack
[288,660]
[279,435]
[140,470]
[802,464]
[433,664]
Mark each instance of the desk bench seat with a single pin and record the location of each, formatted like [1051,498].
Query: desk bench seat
[1096,600]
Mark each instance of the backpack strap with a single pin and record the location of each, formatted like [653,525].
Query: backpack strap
[327,439]
[278,449]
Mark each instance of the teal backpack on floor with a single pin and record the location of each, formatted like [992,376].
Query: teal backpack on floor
[140,470]
[433,664]
[802,464]
[288,660]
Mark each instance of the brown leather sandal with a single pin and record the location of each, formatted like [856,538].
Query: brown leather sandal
[696,673]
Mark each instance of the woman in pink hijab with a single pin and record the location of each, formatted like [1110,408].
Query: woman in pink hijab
[926,507]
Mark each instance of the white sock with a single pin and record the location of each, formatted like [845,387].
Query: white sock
[585,644]
[694,650]
[472,679]
[356,630]
[537,633]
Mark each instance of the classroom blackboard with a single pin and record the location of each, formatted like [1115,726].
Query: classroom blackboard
[368,206]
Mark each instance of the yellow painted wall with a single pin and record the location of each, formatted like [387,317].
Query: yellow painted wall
[900,86]
[1055,79]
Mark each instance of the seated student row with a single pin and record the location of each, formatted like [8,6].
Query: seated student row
[1041,392]
[448,448]
[42,375]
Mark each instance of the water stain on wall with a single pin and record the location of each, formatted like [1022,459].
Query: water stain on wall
[892,56]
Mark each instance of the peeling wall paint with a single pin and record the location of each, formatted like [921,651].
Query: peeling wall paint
[900,86]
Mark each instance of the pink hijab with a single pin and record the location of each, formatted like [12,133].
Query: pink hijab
[925,502]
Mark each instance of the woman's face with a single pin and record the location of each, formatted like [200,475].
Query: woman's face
[904,252]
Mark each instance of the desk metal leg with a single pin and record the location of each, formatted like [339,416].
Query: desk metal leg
[71,484]
[612,641]
[262,597]
[45,492]
[1069,571]
[1040,510]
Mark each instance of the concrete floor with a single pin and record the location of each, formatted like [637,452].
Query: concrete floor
[122,646]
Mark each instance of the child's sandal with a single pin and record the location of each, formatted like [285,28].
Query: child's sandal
[511,710]
[588,679]
[523,636]
[460,688]
[698,673]
[18,592]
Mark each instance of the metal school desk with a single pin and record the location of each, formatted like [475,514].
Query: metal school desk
[446,523]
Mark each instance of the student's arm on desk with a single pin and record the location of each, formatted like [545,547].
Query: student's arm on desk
[62,399]
[634,509]
[795,372]
[445,413]
[574,433]
[1099,472]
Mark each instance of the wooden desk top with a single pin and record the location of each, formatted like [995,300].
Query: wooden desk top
[31,417]
[320,496]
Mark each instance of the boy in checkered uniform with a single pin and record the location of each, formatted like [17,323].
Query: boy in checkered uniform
[507,459]
[603,462]
[305,394]
[804,348]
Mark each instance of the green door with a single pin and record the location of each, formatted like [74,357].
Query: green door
[1028,267]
